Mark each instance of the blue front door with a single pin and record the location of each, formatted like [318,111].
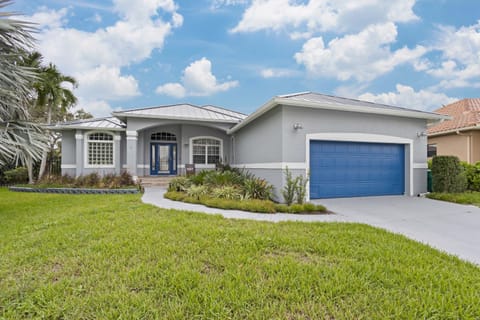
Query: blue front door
[355,169]
[163,158]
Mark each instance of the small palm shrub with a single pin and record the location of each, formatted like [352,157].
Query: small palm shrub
[198,178]
[257,188]
[179,184]
[17,175]
[226,192]
[219,178]
[197,192]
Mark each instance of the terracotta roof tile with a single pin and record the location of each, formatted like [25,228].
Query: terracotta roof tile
[465,114]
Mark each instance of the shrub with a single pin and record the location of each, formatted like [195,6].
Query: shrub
[257,188]
[17,175]
[179,184]
[472,174]
[448,175]
[301,188]
[175,195]
[125,179]
[109,181]
[253,205]
[222,178]
[226,192]
[198,178]
[288,191]
[197,192]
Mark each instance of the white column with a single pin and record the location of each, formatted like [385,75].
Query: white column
[118,165]
[79,147]
[132,137]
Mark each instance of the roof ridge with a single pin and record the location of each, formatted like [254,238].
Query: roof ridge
[294,94]
[85,120]
[211,105]
[157,107]
[222,113]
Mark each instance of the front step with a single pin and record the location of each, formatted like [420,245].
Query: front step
[155,181]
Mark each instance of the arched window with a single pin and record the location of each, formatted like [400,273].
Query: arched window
[99,149]
[163,136]
[206,150]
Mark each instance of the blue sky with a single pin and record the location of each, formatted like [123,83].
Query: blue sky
[240,53]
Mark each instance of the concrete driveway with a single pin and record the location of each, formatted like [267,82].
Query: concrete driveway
[449,227]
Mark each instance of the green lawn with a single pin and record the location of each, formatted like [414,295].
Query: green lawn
[470,197]
[112,257]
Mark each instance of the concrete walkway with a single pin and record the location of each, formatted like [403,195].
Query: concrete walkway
[446,226]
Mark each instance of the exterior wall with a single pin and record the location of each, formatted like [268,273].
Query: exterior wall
[183,131]
[277,144]
[454,145]
[73,153]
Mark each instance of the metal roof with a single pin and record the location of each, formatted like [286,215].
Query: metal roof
[110,123]
[231,113]
[183,112]
[321,101]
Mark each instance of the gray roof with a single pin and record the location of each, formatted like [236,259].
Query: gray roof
[322,101]
[184,112]
[110,123]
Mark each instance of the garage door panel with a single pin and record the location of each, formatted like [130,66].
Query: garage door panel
[349,169]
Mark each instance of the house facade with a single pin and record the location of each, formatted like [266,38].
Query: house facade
[346,147]
[460,134]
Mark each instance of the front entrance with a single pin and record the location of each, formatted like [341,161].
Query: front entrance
[163,158]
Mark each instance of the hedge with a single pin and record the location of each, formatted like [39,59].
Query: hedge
[448,175]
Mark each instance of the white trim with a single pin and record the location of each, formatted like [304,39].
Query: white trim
[180,166]
[132,133]
[203,166]
[359,137]
[117,137]
[272,165]
[132,138]
[124,166]
[190,149]
[78,136]
[85,150]
[417,165]
[143,166]
[68,166]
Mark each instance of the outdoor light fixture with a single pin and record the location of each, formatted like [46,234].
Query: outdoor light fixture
[297,126]
[421,134]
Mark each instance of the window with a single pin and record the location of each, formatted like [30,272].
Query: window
[99,149]
[206,150]
[163,136]
[431,150]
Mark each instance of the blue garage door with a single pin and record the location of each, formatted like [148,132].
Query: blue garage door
[355,169]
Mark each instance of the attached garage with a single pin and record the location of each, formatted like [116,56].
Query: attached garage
[352,169]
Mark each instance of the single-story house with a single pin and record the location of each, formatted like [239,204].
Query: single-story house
[459,136]
[346,147]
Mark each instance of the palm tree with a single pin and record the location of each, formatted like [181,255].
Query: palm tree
[20,139]
[53,101]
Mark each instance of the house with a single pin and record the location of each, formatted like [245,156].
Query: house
[460,135]
[347,147]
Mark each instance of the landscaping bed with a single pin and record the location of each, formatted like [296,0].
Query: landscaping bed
[235,189]
[74,190]
[113,257]
[469,197]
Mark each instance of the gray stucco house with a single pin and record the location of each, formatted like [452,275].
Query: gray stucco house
[346,147]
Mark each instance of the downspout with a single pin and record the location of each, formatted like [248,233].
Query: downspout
[469,145]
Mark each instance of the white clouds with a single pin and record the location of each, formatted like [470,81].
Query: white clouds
[46,18]
[322,15]
[363,56]
[277,73]
[97,58]
[406,96]
[197,80]
[461,59]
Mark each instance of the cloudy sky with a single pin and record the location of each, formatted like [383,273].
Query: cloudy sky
[240,53]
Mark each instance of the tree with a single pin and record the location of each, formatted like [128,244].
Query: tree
[20,139]
[53,102]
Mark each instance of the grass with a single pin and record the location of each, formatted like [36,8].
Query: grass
[470,197]
[112,257]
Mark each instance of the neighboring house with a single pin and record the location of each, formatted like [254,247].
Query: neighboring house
[346,147]
[460,135]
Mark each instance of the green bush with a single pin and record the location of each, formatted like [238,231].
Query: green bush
[472,174]
[288,191]
[448,175]
[197,192]
[175,195]
[17,175]
[253,205]
[257,188]
[198,179]
[179,184]
[226,192]
[301,188]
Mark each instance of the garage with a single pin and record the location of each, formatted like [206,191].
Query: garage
[355,169]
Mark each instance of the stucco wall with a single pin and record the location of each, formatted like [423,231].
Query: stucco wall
[452,145]
[68,147]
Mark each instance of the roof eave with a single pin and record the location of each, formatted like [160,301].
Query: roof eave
[430,117]
[64,128]
[450,131]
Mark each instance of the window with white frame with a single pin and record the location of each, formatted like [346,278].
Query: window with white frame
[206,150]
[99,149]
[163,136]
